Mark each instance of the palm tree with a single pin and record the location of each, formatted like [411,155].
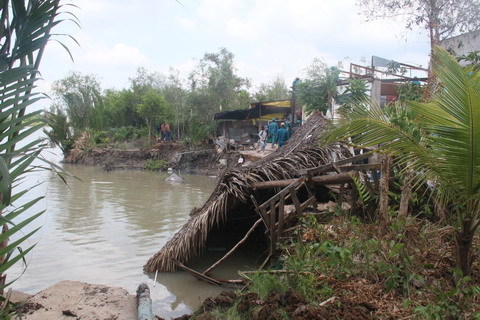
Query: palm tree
[443,148]
[25,31]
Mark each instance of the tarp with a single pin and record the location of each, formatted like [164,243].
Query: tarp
[256,111]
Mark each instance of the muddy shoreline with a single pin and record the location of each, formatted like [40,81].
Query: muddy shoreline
[205,161]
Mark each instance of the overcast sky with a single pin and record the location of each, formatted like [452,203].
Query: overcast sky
[267,37]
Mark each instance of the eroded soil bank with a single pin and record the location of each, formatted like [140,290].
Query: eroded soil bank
[199,161]
[204,161]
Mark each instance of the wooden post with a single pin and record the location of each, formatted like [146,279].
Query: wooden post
[261,212]
[353,199]
[273,233]
[281,213]
[296,203]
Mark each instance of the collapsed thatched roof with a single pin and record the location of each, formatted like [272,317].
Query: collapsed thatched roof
[301,152]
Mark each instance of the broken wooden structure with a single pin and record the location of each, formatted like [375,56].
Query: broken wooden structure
[251,203]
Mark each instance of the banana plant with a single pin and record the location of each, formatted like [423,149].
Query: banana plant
[25,30]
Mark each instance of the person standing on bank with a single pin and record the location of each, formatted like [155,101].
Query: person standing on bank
[162,131]
[282,135]
[272,131]
[262,142]
[168,134]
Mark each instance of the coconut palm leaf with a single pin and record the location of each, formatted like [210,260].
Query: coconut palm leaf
[26,29]
[448,150]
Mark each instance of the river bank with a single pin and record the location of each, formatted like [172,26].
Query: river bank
[202,161]
[79,300]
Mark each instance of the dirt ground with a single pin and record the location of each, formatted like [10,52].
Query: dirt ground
[78,300]
[289,304]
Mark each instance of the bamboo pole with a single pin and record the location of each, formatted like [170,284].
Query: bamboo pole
[196,274]
[234,248]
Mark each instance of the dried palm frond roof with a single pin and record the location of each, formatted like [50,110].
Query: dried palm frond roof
[234,187]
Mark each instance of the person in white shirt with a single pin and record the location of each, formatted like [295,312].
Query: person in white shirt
[262,142]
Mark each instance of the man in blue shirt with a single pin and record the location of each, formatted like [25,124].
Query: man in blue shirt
[272,131]
[282,135]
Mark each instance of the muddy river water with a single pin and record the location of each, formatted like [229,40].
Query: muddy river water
[104,226]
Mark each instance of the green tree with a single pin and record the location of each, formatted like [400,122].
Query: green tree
[177,98]
[144,81]
[471,59]
[60,132]
[444,150]
[441,18]
[154,108]
[25,31]
[120,106]
[276,90]
[410,91]
[319,90]
[80,96]
[354,93]
[215,86]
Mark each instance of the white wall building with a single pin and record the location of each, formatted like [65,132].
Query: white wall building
[463,44]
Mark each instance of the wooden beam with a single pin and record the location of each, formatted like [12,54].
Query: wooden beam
[196,274]
[309,202]
[320,180]
[284,192]
[331,166]
[360,167]
[261,211]
[296,203]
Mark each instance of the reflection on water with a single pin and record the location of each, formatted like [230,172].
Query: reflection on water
[104,227]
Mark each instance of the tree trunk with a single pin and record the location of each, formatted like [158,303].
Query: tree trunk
[3,244]
[383,202]
[406,192]
[434,35]
[463,249]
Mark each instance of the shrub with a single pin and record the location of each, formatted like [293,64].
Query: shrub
[155,164]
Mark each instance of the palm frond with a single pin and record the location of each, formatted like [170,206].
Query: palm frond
[447,150]
[26,29]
